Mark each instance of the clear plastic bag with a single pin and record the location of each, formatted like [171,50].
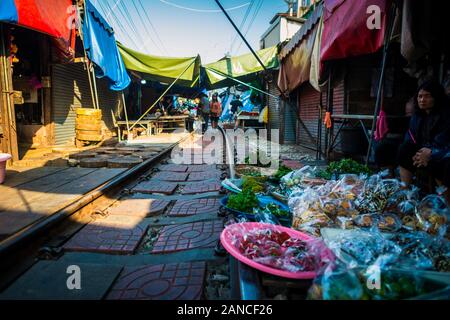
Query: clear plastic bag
[337,282]
[377,194]
[433,215]
[362,249]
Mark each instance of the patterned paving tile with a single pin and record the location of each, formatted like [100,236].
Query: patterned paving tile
[156,186]
[201,168]
[176,281]
[173,168]
[201,187]
[206,175]
[113,234]
[171,176]
[188,236]
[183,208]
[139,207]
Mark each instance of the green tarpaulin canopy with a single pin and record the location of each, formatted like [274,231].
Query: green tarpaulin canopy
[162,69]
[241,67]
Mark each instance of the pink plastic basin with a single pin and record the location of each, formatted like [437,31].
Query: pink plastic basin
[3,158]
[236,229]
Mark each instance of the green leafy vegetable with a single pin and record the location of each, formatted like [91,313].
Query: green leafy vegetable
[345,166]
[244,202]
[277,211]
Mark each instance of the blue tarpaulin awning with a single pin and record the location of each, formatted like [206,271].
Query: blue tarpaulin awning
[8,11]
[101,48]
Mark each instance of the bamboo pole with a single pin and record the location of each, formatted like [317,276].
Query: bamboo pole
[126,114]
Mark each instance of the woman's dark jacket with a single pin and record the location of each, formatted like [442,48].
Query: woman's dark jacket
[431,131]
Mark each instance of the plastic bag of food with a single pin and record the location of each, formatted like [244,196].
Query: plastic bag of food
[377,192]
[403,201]
[389,222]
[349,184]
[265,216]
[296,177]
[433,215]
[363,248]
[337,282]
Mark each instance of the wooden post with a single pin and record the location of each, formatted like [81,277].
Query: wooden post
[7,100]
[49,126]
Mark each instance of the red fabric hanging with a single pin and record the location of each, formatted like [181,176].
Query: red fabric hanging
[382,126]
[345,31]
[54,18]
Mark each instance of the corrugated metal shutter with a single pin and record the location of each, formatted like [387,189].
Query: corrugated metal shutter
[339,108]
[274,107]
[290,121]
[70,90]
[108,100]
[309,101]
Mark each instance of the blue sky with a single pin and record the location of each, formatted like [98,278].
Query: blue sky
[188,27]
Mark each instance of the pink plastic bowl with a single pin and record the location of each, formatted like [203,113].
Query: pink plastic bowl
[235,229]
[3,158]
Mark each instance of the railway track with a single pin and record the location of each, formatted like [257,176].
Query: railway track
[43,240]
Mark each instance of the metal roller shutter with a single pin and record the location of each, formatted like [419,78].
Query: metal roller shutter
[290,121]
[309,101]
[71,90]
[339,104]
[108,100]
[274,107]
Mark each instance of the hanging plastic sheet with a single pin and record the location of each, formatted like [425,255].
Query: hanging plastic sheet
[296,67]
[162,69]
[101,48]
[242,68]
[346,33]
[54,18]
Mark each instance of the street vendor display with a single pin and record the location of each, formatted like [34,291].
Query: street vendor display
[366,220]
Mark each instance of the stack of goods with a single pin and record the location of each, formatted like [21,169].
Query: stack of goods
[372,203]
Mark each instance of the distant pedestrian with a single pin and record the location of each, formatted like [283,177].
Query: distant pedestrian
[216,110]
[204,106]
[236,106]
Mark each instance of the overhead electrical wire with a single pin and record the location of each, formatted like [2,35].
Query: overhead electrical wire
[202,10]
[244,20]
[153,27]
[126,13]
[116,21]
[131,35]
[145,28]
[126,34]
[255,14]
[111,9]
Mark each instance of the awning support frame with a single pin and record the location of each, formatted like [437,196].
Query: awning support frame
[162,95]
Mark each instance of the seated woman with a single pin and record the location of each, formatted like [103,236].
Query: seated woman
[428,138]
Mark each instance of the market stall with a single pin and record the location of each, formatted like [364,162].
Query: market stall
[159,85]
[338,232]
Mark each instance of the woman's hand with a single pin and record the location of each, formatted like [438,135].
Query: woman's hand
[422,157]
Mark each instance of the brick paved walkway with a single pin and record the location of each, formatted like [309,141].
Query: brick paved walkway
[188,236]
[183,208]
[182,281]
